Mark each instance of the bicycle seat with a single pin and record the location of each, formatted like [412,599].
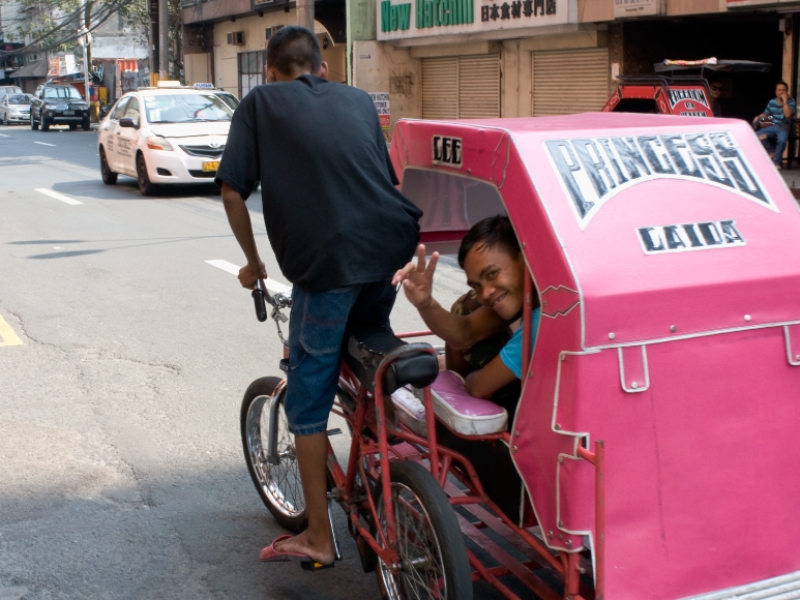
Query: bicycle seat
[365,347]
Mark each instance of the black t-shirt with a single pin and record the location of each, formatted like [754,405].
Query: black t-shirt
[333,215]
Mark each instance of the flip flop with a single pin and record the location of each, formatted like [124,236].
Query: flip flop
[270,554]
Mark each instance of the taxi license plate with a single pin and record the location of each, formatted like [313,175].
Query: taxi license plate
[69,112]
[211,165]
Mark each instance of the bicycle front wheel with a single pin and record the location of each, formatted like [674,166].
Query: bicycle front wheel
[278,484]
[433,559]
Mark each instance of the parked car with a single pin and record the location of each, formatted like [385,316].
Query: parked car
[229,98]
[58,104]
[15,108]
[9,89]
[164,135]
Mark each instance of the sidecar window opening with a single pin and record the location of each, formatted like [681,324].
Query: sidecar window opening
[450,201]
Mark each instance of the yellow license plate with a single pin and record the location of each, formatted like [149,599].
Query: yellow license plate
[211,165]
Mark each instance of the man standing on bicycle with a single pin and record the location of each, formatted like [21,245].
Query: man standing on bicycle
[338,227]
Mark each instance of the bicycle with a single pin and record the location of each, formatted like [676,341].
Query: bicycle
[402,521]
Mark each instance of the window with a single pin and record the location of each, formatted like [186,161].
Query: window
[186,108]
[251,71]
[133,111]
[120,109]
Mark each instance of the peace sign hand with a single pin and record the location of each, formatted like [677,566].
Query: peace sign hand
[417,279]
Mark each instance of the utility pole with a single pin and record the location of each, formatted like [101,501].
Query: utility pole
[163,39]
[85,39]
[305,13]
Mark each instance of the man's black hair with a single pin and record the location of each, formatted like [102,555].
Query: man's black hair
[294,48]
[784,84]
[489,233]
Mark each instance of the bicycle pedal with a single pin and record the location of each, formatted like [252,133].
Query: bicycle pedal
[335,431]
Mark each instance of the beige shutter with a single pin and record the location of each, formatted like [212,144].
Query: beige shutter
[570,81]
[466,87]
[479,86]
[439,88]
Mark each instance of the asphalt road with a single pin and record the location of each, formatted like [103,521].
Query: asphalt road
[123,361]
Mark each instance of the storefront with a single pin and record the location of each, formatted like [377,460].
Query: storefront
[450,59]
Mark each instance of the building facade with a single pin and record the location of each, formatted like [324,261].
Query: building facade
[519,58]
[225,41]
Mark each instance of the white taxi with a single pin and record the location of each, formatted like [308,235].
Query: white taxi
[164,135]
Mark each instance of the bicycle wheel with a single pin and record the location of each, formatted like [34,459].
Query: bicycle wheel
[433,559]
[278,485]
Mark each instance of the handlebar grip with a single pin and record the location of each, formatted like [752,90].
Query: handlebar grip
[261,307]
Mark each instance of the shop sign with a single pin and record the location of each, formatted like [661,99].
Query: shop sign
[401,19]
[636,8]
[55,67]
[381,102]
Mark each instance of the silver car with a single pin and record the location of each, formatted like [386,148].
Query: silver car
[15,108]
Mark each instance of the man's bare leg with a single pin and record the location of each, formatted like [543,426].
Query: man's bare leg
[317,540]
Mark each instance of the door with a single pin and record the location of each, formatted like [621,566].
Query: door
[461,87]
[112,134]
[570,81]
[128,138]
[251,71]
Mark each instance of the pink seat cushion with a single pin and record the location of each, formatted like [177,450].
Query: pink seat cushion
[463,413]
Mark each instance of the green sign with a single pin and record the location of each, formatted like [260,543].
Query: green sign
[435,13]
[395,16]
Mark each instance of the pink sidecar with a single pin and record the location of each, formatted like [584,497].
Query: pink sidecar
[657,424]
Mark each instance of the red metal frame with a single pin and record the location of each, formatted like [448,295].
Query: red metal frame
[448,466]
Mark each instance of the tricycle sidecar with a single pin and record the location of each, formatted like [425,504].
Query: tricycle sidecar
[659,409]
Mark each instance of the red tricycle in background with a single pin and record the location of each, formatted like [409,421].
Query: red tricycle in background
[653,435]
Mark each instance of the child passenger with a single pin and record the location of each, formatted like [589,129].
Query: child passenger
[491,258]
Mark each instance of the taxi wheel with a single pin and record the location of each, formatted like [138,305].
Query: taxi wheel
[147,188]
[109,177]
[86,125]
[45,125]
[34,124]
[5,120]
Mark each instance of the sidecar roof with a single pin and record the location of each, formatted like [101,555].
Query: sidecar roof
[653,226]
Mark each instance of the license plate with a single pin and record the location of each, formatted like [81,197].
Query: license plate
[69,112]
[211,165]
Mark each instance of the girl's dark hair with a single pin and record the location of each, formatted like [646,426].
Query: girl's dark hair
[294,48]
[489,233]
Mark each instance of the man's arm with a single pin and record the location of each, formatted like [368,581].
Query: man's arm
[486,381]
[239,219]
[460,332]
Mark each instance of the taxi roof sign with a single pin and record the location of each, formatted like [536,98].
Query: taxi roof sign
[203,86]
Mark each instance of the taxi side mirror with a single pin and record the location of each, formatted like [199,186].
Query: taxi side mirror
[127,122]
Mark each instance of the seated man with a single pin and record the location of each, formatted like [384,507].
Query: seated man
[491,258]
[779,111]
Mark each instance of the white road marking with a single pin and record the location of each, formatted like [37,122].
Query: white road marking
[272,285]
[58,196]
[4,135]
[45,144]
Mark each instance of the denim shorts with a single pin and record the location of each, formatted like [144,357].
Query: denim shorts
[316,330]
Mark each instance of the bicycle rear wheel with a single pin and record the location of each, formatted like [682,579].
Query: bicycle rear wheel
[433,559]
[278,485]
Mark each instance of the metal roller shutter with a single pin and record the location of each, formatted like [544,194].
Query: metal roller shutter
[479,86]
[465,87]
[439,88]
[571,81]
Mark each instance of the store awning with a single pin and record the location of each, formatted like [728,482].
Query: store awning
[126,65]
[36,68]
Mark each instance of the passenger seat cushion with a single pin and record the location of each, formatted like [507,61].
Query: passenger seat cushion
[463,413]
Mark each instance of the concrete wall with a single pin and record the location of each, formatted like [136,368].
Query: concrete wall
[379,67]
[595,11]
[225,55]
[197,68]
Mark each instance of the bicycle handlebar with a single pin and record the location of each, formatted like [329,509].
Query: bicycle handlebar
[258,297]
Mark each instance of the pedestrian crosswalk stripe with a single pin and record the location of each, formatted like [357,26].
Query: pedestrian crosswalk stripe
[7,335]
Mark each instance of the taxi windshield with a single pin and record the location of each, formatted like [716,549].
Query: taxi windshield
[62,93]
[17,99]
[186,108]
